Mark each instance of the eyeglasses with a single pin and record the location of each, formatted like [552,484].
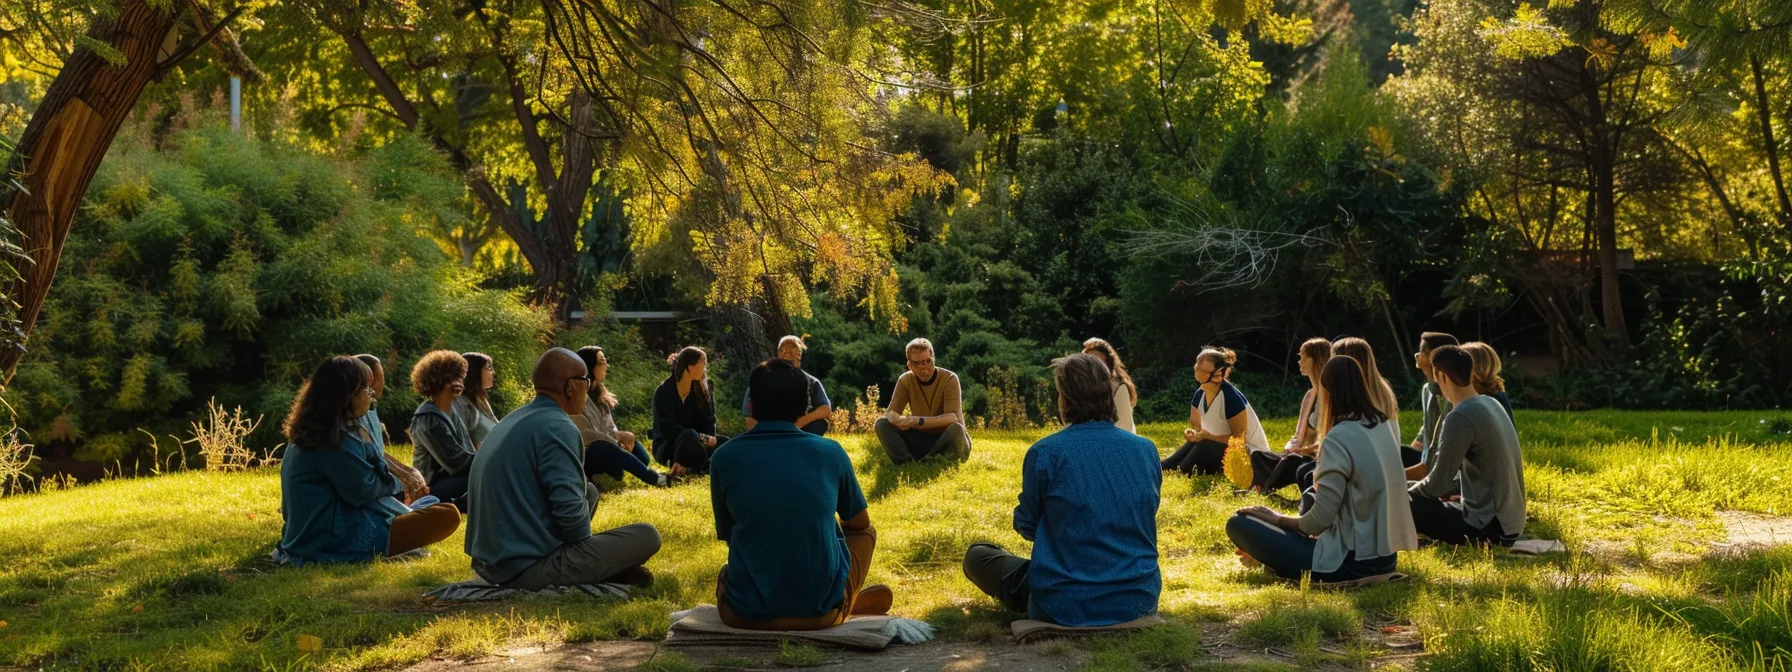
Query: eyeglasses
[366,392]
[588,379]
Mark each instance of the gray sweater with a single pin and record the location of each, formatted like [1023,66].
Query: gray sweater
[442,445]
[1478,447]
[1435,407]
[1358,503]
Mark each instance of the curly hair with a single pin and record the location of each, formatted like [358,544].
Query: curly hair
[437,370]
[325,404]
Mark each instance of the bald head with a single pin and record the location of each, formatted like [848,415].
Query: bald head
[563,377]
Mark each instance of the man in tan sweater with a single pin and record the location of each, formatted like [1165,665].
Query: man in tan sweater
[926,413]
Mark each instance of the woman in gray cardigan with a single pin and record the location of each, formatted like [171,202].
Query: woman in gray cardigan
[1360,519]
[442,450]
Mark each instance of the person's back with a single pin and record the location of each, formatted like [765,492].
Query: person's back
[336,502]
[1492,467]
[1360,507]
[1089,499]
[779,493]
[528,492]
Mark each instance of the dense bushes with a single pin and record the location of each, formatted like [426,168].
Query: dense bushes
[226,267]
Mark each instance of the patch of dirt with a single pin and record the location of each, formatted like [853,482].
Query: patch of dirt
[1753,530]
[929,657]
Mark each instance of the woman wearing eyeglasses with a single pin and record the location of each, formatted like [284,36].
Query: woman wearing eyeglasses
[684,415]
[1217,413]
[443,448]
[335,491]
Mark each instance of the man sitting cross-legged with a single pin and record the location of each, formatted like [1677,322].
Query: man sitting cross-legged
[789,507]
[926,413]
[530,524]
[1088,502]
[1477,449]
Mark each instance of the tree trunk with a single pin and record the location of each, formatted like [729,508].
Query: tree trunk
[1765,115]
[66,140]
[1606,230]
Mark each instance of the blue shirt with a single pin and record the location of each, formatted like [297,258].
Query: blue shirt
[779,494]
[377,431]
[1088,501]
[526,491]
[1235,401]
[336,502]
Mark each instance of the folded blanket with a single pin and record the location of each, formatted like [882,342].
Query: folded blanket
[1538,547]
[1364,582]
[1030,631]
[703,626]
[478,590]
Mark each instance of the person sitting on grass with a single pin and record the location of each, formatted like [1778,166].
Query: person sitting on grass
[1273,471]
[926,412]
[411,485]
[1126,392]
[442,450]
[684,415]
[1477,450]
[815,419]
[335,490]
[609,450]
[474,407]
[1217,413]
[1089,495]
[1432,405]
[1487,374]
[1359,513]
[530,527]
[789,507]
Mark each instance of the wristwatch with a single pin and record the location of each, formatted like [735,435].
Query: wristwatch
[921,421]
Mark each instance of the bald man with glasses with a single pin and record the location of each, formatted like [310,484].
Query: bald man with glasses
[530,523]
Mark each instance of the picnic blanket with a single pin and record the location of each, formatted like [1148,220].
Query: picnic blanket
[1030,631]
[703,626]
[1538,547]
[477,590]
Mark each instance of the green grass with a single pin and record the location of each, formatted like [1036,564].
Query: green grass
[170,572]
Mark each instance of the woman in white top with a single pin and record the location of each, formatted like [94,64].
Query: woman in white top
[1361,518]
[1217,413]
[1126,393]
[1273,471]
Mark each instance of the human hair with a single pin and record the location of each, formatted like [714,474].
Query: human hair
[600,393]
[372,362]
[1344,389]
[1379,389]
[437,370]
[325,404]
[1455,362]
[780,391]
[1105,352]
[793,338]
[1222,359]
[1432,340]
[1317,349]
[682,361]
[919,344]
[1085,389]
[477,364]
[1487,378]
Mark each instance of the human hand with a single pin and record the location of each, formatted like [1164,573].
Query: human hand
[412,480]
[626,440]
[709,441]
[907,422]
[1416,446]
[1190,435]
[1262,513]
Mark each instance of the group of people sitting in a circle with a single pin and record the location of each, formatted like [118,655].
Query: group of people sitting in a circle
[787,502]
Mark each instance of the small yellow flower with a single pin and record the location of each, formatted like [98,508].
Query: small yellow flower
[1237,462]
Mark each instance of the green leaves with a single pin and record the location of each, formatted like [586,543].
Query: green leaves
[1528,34]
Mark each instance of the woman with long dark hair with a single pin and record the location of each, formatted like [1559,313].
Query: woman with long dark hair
[684,414]
[608,449]
[335,491]
[1360,519]
[474,405]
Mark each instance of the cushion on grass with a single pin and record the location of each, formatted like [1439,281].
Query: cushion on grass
[1538,547]
[1029,630]
[703,626]
[478,590]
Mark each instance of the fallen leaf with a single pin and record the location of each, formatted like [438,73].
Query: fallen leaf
[1391,629]
[137,609]
[251,516]
[2,624]
[310,644]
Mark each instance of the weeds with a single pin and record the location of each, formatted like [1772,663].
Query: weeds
[221,438]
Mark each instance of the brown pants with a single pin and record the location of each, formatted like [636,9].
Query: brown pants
[417,529]
[859,546]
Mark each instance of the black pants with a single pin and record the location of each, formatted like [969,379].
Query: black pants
[1290,554]
[451,490]
[818,428]
[686,449]
[1446,522]
[1205,457]
[999,574]
[603,457]
[1273,471]
[907,445]
[1409,457]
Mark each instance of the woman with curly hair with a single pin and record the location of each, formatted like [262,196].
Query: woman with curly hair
[443,449]
[335,490]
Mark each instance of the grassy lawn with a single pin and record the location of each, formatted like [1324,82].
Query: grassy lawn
[169,571]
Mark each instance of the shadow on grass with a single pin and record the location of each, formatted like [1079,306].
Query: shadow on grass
[887,477]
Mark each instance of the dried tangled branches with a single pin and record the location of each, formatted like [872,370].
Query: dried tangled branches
[221,438]
[15,461]
[1226,253]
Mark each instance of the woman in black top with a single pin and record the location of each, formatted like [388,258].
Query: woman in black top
[684,415]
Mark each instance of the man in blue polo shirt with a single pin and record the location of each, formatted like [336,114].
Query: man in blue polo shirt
[815,417]
[790,508]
